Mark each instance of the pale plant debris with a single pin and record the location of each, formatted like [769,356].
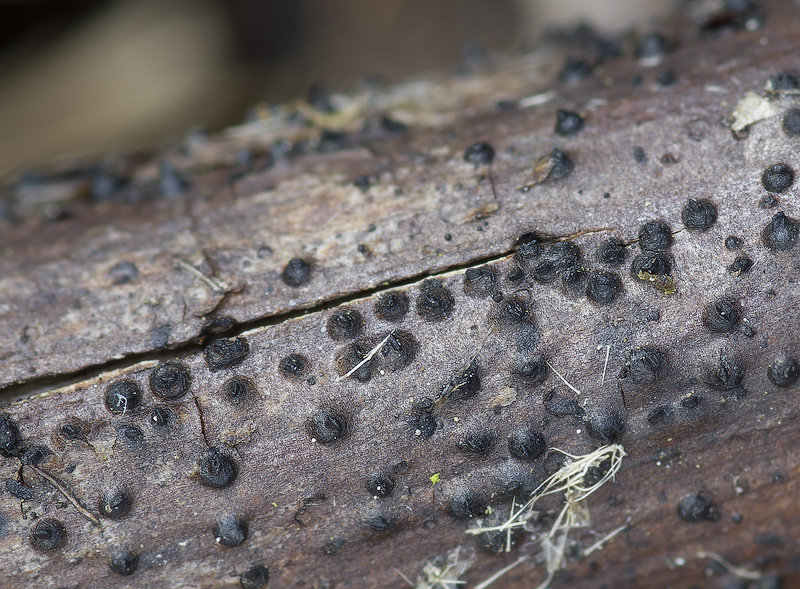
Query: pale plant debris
[217,287]
[731,568]
[442,572]
[63,490]
[751,109]
[569,480]
[485,583]
[564,380]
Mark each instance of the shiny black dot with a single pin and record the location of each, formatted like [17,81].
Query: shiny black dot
[781,233]
[48,534]
[568,123]
[479,153]
[294,366]
[435,302]
[226,353]
[380,485]
[161,417]
[392,306]
[296,273]
[479,282]
[722,316]
[238,390]
[170,380]
[655,236]
[123,396]
[217,470]
[345,325]
[783,372]
[777,178]
[326,427]
[603,287]
[478,441]
[255,577]
[699,214]
[467,504]
[123,563]
[115,503]
[526,444]
[230,531]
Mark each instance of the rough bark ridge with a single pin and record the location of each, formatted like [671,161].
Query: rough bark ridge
[258,370]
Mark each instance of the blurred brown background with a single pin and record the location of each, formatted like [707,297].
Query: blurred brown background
[93,75]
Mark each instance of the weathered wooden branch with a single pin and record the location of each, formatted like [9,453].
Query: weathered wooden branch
[251,367]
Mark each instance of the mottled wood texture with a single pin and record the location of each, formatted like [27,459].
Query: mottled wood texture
[310,518]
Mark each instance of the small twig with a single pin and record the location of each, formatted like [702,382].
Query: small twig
[558,374]
[406,579]
[61,489]
[217,287]
[367,358]
[500,573]
[738,571]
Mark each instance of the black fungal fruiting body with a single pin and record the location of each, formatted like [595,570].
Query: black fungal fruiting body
[722,316]
[326,427]
[479,282]
[741,265]
[255,577]
[777,178]
[657,414]
[526,445]
[654,263]
[230,531]
[123,563]
[603,287]
[644,365]
[123,396]
[217,470]
[467,504]
[226,353]
[783,372]
[727,374]
[480,153]
[652,45]
[74,430]
[9,435]
[392,306]
[123,273]
[379,522]
[161,417]
[293,366]
[562,407]
[477,442]
[399,350]
[380,485]
[423,424]
[48,534]
[696,508]
[781,233]
[574,70]
[733,243]
[131,435]
[611,251]
[655,236]
[115,503]
[345,325]
[170,380]
[568,123]
[606,426]
[18,490]
[435,302]
[531,371]
[691,401]
[464,384]
[296,273]
[639,156]
[699,215]
[237,390]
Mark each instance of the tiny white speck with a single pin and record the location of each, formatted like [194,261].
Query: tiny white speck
[577,431]
[313,440]
[418,432]
[680,561]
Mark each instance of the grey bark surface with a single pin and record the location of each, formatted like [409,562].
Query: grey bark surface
[311,521]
